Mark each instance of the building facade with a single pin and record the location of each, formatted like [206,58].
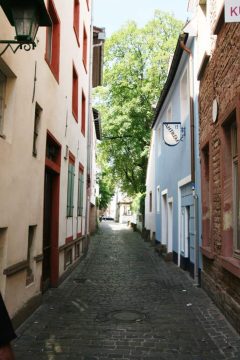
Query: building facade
[150,214]
[44,124]
[219,105]
[177,168]
[95,130]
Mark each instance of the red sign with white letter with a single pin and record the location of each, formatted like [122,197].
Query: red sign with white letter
[232,10]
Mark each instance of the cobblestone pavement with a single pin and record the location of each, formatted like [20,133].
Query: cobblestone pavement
[124,302]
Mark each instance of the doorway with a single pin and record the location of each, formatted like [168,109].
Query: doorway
[164,239]
[185,238]
[170,226]
[47,222]
[50,264]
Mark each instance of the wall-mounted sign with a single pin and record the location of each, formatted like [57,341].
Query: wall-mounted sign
[171,133]
[232,10]
[214,110]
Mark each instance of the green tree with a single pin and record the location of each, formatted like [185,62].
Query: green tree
[135,70]
[106,190]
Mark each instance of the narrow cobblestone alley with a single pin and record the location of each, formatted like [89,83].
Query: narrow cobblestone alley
[124,302]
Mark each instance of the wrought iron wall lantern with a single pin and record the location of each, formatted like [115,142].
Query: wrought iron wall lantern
[26,16]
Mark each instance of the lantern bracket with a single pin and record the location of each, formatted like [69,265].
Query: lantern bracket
[27,46]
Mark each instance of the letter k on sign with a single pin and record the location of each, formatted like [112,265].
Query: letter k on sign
[232,10]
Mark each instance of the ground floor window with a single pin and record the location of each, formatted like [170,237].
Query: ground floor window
[231,185]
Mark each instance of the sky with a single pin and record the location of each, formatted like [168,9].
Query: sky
[112,14]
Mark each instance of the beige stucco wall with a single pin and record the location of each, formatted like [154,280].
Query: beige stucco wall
[22,175]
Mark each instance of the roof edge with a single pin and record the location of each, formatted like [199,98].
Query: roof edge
[171,75]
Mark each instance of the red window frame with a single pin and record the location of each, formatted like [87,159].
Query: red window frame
[75,93]
[52,55]
[83,122]
[85,48]
[76,19]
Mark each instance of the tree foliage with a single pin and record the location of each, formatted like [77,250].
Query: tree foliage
[106,190]
[135,70]
[138,204]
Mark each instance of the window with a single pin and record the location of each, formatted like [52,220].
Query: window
[68,258]
[235,176]
[203,6]
[80,192]
[53,150]
[206,214]
[75,94]
[3,82]
[184,98]
[53,41]
[70,187]
[77,250]
[83,126]
[37,117]
[30,256]
[85,40]
[231,188]
[76,16]
[150,201]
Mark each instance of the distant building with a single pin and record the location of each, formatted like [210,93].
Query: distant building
[123,208]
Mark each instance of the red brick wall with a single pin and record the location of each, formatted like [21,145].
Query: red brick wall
[221,80]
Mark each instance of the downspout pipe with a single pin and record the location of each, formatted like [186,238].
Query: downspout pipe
[192,133]
[188,51]
[89,132]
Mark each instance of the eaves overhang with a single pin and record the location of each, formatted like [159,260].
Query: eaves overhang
[97,123]
[171,75]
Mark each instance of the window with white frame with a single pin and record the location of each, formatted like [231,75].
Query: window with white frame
[3,82]
[70,188]
[184,96]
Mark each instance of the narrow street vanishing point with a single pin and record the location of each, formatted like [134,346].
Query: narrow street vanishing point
[125,302]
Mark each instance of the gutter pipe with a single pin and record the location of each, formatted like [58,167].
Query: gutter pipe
[89,130]
[192,132]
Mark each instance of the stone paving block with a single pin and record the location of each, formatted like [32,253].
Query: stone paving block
[124,302]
